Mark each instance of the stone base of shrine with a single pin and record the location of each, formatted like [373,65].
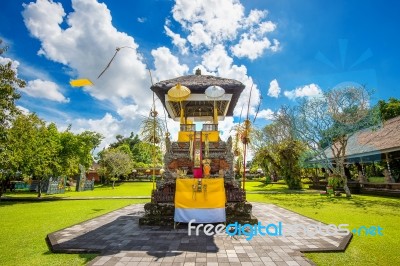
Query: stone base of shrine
[162,214]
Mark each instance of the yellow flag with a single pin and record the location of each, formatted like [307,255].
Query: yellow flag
[80,82]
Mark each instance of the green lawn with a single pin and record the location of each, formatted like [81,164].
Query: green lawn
[120,190]
[357,211]
[24,226]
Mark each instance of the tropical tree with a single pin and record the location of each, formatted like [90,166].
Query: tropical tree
[131,141]
[325,123]
[77,149]
[389,109]
[115,163]
[140,151]
[9,83]
[278,152]
[33,148]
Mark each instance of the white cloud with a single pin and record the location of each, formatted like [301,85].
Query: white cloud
[250,47]
[14,63]
[37,88]
[266,26]
[167,65]
[108,126]
[177,40]
[86,45]
[310,90]
[219,20]
[276,46]
[210,23]
[199,36]
[24,110]
[266,114]
[217,59]
[219,63]
[274,89]
[255,17]
[128,111]
[141,20]
[225,128]
[44,89]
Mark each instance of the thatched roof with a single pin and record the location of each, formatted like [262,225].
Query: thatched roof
[198,84]
[373,143]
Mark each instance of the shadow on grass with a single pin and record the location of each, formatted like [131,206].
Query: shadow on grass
[5,203]
[87,257]
[98,210]
[263,188]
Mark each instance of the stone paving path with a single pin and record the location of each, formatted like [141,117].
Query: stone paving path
[120,240]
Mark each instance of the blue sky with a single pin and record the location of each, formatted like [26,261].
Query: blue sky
[288,49]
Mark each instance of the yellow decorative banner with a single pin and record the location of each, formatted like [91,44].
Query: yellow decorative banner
[210,194]
[80,82]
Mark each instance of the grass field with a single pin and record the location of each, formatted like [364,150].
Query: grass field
[23,226]
[357,211]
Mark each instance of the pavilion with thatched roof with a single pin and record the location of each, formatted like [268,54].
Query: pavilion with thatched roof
[198,106]
[374,144]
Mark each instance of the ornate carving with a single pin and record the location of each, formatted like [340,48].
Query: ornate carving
[167,144]
[165,192]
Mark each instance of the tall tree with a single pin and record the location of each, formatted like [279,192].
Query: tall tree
[89,141]
[77,149]
[33,148]
[131,141]
[9,83]
[141,151]
[325,123]
[389,109]
[115,163]
[277,151]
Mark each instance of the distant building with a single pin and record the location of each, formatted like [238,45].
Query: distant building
[92,173]
[373,145]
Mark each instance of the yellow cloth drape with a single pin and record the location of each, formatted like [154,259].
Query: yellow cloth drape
[212,197]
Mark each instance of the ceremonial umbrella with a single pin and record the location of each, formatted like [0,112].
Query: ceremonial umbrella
[214,92]
[179,93]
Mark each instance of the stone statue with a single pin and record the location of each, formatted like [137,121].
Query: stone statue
[388,177]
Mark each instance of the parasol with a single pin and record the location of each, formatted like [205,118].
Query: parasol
[179,93]
[214,92]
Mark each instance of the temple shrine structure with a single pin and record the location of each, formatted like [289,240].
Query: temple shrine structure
[199,180]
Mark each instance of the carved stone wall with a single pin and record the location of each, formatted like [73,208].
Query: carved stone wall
[220,153]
